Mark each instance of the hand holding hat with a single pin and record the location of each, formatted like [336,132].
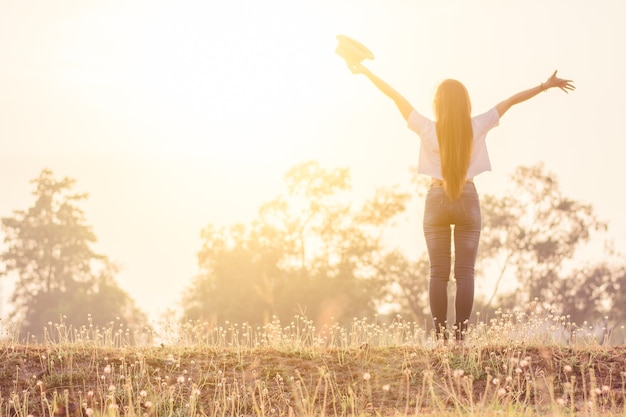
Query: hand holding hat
[353,52]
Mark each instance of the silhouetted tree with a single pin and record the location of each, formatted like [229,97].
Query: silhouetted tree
[59,276]
[311,252]
[538,237]
[314,251]
[407,285]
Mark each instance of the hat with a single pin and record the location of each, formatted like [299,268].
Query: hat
[352,51]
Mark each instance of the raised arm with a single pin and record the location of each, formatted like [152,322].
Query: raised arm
[553,81]
[403,105]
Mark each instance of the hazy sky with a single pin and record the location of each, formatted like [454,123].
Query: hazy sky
[173,115]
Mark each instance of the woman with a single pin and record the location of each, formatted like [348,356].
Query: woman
[453,152]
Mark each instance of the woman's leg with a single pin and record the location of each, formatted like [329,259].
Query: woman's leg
[466,238]
[438,240]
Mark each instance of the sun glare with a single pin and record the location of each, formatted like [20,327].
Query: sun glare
[215,82]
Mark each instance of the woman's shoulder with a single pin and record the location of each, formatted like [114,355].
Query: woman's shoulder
[424,127]
[490,114]
[485,121]
[419,123]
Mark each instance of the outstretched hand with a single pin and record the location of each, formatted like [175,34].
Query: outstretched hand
[357,68]
[554,81]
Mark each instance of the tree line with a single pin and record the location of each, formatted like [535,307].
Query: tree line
[315,252]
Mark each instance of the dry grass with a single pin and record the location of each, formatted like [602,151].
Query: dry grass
[506,368]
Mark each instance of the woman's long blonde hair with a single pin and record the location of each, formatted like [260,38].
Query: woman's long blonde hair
[453,110]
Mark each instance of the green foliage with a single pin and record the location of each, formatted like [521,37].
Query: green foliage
[49,250]
[311,251]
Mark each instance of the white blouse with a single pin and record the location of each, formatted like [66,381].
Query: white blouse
[429,161]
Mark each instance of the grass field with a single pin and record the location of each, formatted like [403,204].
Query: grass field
[514,365]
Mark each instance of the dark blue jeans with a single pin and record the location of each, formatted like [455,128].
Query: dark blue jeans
[439,215]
